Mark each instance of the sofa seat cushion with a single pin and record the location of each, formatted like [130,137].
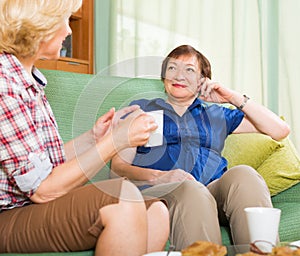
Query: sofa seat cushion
[289,227]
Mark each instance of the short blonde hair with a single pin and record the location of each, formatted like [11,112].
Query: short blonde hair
[24,24]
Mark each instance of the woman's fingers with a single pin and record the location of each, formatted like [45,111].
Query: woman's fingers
[134,130]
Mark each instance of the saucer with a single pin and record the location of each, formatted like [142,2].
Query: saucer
[163,253]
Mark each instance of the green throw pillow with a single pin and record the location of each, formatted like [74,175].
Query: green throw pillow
[281,170]
[277,162]
[249,148]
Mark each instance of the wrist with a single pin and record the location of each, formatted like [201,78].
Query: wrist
[243,104]
[155,174]
[106,148]
[240,101]
[110,144]
[91,136]
[118,142]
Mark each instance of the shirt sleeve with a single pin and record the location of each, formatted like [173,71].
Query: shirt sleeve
[141,102]
[233,118]
[19,139]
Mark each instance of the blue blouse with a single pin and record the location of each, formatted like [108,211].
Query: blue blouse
[192,142]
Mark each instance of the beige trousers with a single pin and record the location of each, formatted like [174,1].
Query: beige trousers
[196,210]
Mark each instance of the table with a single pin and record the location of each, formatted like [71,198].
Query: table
[232,250]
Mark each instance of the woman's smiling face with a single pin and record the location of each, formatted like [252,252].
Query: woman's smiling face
[182,78]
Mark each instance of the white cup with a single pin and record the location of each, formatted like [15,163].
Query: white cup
[263,224]
[156,137]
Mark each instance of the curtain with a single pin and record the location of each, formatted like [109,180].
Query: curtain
[251,44]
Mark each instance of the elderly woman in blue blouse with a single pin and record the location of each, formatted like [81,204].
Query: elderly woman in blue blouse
[193,138]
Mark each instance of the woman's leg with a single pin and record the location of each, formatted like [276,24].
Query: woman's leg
[125,225]
[129,229]
[193,212]
[239,187]
[158,226]
[69,223]
[73,222]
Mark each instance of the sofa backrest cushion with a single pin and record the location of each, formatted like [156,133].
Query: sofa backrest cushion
[78,100]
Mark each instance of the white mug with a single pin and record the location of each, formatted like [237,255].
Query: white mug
[263,224]
[156,137]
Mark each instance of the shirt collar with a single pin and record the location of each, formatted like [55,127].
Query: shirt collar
[39,77]
[198,103]
[19,74]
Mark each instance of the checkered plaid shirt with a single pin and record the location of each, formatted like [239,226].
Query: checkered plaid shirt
[30,143]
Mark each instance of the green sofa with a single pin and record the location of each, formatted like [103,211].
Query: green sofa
[78,99]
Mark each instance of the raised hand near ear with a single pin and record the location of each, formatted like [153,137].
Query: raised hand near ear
[211,91]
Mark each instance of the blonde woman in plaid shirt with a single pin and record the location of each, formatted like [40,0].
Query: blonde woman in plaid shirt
[44,205]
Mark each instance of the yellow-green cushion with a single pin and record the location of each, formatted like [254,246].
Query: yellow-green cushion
[249,148]
[281,170]
[277,162]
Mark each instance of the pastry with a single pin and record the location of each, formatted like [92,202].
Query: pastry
[277,251]
[204,248]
